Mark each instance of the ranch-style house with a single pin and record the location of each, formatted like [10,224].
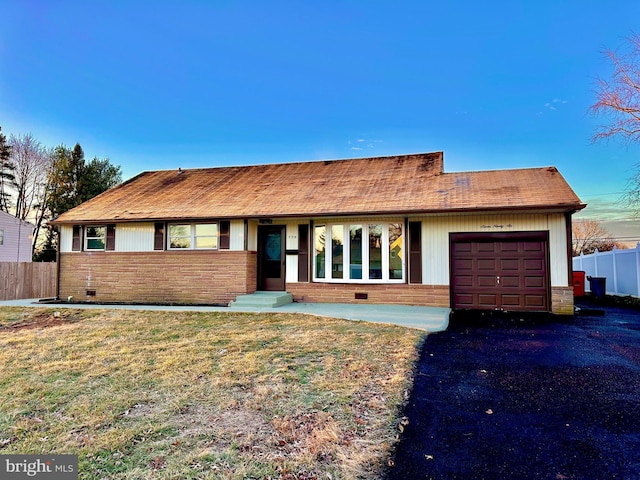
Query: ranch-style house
[392,229]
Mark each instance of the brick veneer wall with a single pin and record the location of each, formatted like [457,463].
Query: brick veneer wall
[562,300]
[196,277]
[406,294]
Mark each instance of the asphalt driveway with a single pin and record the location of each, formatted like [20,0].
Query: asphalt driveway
[526,397]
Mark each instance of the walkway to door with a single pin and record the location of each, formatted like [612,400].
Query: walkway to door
[431,319]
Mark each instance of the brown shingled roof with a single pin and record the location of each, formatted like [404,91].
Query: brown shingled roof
[395,185]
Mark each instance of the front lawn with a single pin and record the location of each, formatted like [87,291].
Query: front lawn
[166,395]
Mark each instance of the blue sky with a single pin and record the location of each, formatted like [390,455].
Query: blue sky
[162,85]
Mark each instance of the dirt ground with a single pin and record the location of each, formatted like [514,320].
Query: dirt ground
[526,397]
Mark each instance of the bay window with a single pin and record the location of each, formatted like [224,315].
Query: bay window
[359,252]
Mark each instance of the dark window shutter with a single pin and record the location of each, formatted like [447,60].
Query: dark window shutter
[158,236]
[415,252]
[111,237]
[224,237]
[303,253]
[76,242]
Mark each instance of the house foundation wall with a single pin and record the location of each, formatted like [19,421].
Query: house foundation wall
[402,294]
[208,278]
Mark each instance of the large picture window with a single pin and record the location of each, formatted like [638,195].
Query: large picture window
[193,236]
[359,253]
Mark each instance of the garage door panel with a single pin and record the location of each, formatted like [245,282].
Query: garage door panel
[486,281]
[464,247]
[509,264]
[511,282]
[464,300]
[465,280]
[533,246]
[534,282]
[534,264]
[463,264]
[488,247]
[487,300]
[508,247]
[511,301]
[494,271]
[487,264]
[535,301]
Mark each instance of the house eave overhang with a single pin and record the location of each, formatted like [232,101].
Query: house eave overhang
[561,208]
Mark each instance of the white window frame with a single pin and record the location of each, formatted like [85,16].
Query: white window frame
[346,253]
[192,235]
[101,237]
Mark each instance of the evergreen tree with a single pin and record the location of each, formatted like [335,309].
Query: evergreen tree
[7,176]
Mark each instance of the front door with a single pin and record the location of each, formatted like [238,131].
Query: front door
[271,258]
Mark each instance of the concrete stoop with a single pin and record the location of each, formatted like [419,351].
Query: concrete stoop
[262,300]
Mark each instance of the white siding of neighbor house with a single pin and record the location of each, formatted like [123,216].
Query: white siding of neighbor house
[17,237]
[435,240]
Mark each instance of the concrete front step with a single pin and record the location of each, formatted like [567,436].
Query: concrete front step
[262,300]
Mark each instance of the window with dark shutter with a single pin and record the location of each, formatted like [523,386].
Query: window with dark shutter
[415,252]
[158,236]
[225,235]
[303,253]
[111,237]
[76,242]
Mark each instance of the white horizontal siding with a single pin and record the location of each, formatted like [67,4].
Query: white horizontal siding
[435,240]
[17,236]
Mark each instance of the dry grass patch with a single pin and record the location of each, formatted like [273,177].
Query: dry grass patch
[164,395]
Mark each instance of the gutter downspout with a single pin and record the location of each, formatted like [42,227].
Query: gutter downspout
[57,262]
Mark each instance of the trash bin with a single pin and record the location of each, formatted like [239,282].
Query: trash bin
[598,286]
[578,283]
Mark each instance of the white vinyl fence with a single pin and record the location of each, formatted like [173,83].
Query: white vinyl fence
[621,268]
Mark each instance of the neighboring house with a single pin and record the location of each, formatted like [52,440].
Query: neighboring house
[15,239]
[378,230]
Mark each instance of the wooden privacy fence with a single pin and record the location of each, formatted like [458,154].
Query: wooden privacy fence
[621,268]
[27,280]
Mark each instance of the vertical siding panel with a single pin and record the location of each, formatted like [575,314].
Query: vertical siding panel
[291,243]
[435,241]
[558,248]
[237,235]
[66,238]
[135,237]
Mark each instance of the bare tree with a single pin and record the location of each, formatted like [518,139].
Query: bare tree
[619,97]
[32,162]
[589,235]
